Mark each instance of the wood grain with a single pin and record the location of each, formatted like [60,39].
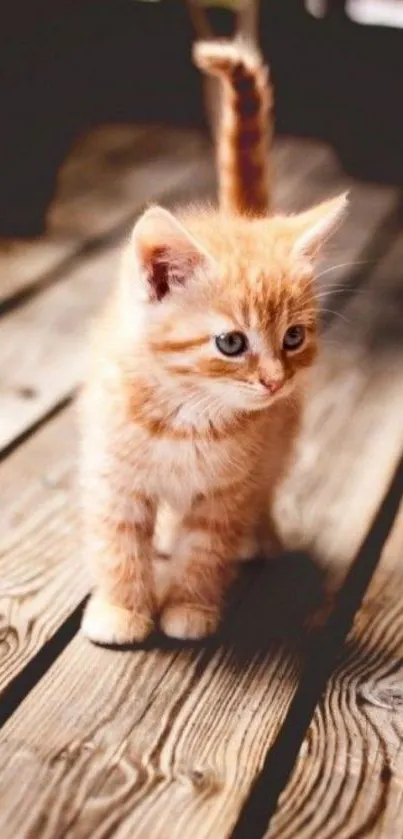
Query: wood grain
[348,779]
[374,377]
[164,744]
[120,754]
[43,575]
[109,174]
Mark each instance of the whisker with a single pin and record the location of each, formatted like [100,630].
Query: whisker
[336,314]
[331,342]
[339,283]
[366,293]
[342,265]
[332,290]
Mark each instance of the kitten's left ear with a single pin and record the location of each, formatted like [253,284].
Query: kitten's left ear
[314,227]
[166,253]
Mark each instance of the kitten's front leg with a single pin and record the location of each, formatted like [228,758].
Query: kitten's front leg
[203,568]
[119,529]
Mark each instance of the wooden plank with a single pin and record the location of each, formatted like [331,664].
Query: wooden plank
[43,577]
[100,750]
[349,775]
[51,328]
[107,177]
[53,324]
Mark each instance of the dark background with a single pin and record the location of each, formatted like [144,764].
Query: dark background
[68,64]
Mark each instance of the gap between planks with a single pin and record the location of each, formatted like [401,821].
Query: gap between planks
[348,777]
[158,743]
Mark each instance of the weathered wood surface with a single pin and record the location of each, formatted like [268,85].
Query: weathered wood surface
[348,779]
[342,741]
[43,574]
[108,743]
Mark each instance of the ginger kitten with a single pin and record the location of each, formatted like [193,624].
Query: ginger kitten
[195,391]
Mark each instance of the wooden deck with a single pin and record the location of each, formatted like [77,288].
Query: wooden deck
[289,725]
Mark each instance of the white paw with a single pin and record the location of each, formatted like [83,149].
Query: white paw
[188,623]
[106,623]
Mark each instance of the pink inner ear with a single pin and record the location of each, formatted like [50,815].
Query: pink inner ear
[167,254]
[165,267]
[157,275]
[315,226]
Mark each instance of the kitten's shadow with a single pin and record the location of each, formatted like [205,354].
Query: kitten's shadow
[270,606]
[275,609]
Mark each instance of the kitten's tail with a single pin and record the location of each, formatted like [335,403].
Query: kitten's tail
[245,131]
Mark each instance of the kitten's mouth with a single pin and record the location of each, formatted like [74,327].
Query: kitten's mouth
[260,404]
[265,398]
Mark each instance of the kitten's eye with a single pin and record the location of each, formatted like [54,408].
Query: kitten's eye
[294,338]
[232,343]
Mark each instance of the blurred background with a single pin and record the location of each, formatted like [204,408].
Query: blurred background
[69,65]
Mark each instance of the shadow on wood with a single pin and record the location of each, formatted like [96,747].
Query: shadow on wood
[270,605]
[263,797]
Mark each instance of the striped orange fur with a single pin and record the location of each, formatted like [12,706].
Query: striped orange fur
[246,124]
[184,446]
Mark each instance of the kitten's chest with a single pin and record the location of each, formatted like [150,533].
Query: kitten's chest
[179,470]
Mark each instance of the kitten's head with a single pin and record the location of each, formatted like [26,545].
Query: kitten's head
[228,306]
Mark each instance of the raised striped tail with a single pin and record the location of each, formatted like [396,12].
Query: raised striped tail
[245,131]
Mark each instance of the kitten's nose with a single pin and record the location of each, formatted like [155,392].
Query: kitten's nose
[273,385]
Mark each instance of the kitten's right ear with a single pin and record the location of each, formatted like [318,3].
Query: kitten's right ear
[314,227]
[166,254]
